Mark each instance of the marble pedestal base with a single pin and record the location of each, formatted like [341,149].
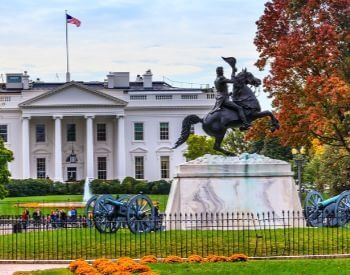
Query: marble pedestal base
[216,190]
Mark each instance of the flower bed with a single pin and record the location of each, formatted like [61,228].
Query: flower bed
[127,266]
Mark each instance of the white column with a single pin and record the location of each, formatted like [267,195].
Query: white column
[121,157]
[58,149]
[89,147]
[25,148]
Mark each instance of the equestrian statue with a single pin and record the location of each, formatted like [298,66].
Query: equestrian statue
[226,113]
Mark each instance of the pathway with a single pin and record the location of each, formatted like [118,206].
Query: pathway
[9,269]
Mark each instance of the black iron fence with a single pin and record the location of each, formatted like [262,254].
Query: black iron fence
[266,234]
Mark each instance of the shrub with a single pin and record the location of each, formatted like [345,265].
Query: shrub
[173,259]
[99,262]
[42,187]
[194,259]
[105,186]
[214,258]
[149,259]
[238,257]
[75,264]
[159,187]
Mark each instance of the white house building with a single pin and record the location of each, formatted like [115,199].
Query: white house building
[106,130]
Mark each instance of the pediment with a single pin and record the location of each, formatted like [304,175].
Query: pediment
[103,150]
[138,150]
[73,94]
[164,149]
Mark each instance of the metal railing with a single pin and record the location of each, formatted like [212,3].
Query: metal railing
[261,235]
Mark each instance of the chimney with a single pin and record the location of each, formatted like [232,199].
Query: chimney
[118,80]
[110,80]
[147,79]
[14,81]
[25,81]
[121,79]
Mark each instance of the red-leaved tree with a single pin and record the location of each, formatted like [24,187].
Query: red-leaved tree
[306,46]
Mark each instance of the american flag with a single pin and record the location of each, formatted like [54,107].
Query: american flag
[72,20]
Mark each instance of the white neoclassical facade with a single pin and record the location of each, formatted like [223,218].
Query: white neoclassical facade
[107,130]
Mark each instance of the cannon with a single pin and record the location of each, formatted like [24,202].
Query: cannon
[108,213]
[331,212]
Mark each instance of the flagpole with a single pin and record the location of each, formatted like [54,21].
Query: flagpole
[67,73]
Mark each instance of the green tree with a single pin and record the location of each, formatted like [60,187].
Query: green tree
[198,146]
[235,142]
[271,147]
[334,170]
[311,172]
[6,156]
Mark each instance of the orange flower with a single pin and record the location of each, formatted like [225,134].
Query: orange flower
[149,273]
[109,268]
[122,273]
[238,257]
[75,264]
[173,259]
[125,260]
[214,258]
[194,259]
[86,269]
[100,262]
[150,259]
[133,267]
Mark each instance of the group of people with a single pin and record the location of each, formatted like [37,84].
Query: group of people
[56,219]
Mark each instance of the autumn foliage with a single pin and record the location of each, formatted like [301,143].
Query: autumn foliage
[305,44]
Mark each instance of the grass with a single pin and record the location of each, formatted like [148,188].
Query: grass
[285,267]
[88,243]
[11,206]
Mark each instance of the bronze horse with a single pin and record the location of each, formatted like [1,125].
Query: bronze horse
[216,123]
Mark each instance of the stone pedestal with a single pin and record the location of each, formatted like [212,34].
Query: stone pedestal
[229,186]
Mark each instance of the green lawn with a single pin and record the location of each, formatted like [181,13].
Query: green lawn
[11,206]
[90,244]
[292,267]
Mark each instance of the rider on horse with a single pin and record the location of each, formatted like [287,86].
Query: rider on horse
[223,97]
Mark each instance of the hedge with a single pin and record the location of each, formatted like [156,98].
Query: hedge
[42,187]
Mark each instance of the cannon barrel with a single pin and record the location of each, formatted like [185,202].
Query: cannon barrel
[115,202]
[328,201]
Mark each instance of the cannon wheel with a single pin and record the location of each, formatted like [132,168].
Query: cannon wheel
[89,208]
[342,208]
[104,216]
[313,215]
[140,214]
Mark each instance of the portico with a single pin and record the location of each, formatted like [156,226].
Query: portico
[53,128]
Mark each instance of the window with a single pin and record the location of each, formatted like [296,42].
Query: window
[138,131]
[40,132]
[3,132]
[71,136]
[164,130]
[102,168]
[40,168]
[164,167]
[72,173]
[101,132]
[139,168]
[192,130]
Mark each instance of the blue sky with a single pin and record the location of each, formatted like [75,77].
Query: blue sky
[182,40]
